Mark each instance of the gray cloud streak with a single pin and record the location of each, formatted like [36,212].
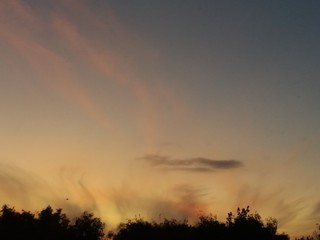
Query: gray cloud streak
[192,164]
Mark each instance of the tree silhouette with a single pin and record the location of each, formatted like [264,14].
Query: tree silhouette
[9,222]
[242,226]
[48,225]
[88,227]
[250,226]
[141,229]
[53,224]
[208,227]
[314,236]
[135,229]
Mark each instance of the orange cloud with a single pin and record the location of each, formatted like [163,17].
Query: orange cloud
[46,64]
[114,68]
[55,47]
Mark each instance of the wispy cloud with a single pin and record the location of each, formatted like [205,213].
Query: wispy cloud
[185,201]
[315,214]
[58,49]
[22,32]
[22,188]
[198,164]
[21,185]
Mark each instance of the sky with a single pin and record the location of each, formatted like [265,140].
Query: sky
[162,108]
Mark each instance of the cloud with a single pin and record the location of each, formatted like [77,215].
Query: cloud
[22,31]
[24,189]
[315,213]
[191,164]
[21,185]
[185,201]
[72,48]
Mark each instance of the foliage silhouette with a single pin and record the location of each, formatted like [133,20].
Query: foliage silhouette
[314,236]
[242,226]
[48,225]
[53,225]
[88,227]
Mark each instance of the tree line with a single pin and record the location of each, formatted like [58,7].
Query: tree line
[49,224]
[243,225]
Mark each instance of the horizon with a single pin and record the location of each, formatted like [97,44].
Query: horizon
[86,226]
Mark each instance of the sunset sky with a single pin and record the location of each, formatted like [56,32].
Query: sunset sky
[162,108]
